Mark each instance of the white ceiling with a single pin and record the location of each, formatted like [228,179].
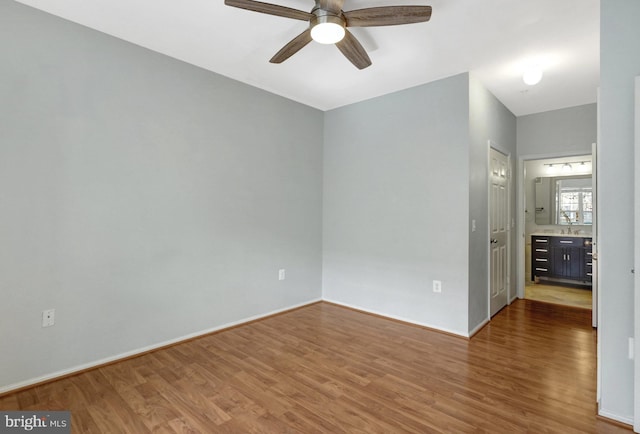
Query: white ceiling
[494,39]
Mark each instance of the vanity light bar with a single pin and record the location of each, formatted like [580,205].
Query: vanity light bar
[567,162]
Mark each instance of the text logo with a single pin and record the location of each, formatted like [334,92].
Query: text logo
[41,422]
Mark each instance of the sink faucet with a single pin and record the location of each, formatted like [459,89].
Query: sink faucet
[568,219]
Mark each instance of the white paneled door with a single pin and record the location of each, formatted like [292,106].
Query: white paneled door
[498,231]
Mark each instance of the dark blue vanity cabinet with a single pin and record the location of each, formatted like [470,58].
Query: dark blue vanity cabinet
[560,258]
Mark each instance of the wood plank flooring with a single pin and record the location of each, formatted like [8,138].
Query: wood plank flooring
[328,369]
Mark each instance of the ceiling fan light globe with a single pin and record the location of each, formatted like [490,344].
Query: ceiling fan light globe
[327,33]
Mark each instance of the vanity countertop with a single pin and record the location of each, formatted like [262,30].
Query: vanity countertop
[542,234]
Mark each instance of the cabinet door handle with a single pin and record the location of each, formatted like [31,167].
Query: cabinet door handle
[566,242]
[541,241]
[564,257]
[494,241]
[568,257]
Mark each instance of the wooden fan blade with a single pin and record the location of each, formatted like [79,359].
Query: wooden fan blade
[268,8]
[387,16]
[292,47]
[353,51]
[334,6]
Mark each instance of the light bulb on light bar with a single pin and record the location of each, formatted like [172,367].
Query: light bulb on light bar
[328,30]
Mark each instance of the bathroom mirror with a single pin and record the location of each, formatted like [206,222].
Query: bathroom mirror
[563,200]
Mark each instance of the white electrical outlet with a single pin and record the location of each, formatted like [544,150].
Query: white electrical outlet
[48,317]
[281,274]
[437,286]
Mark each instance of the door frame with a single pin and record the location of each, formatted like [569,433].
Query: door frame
[636,266]
[510,223]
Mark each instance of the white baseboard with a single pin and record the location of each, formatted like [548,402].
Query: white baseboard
[399,318]
[478,327]
[618,418]
[96,363]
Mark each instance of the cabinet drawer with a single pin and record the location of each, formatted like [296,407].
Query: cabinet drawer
[541,242]
[542,270]
[540,246]
[540,252]
[588,268]
[567,242]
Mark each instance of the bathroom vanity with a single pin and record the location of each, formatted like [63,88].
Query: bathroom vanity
[562,258]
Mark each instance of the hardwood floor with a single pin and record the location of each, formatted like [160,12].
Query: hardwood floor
[328,369]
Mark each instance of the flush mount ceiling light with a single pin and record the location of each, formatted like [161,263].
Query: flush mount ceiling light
[327,29]
[532,76]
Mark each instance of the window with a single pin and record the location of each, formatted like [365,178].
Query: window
[574,199]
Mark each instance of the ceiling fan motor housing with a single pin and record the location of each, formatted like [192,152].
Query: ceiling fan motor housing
[321,16]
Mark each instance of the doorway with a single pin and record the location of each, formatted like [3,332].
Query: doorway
[559,216]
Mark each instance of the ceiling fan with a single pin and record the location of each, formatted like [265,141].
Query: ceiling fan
[328,24]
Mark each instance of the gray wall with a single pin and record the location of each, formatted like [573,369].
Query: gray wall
[569,131]
[489,119]
[396,207]
[142,198]
[620,63]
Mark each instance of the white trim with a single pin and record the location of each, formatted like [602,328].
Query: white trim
[613,416]
[488,239]
[520,230]
[636,264]
[399,318]
[551,155]
[96,363]
[595,239]
[597,276]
